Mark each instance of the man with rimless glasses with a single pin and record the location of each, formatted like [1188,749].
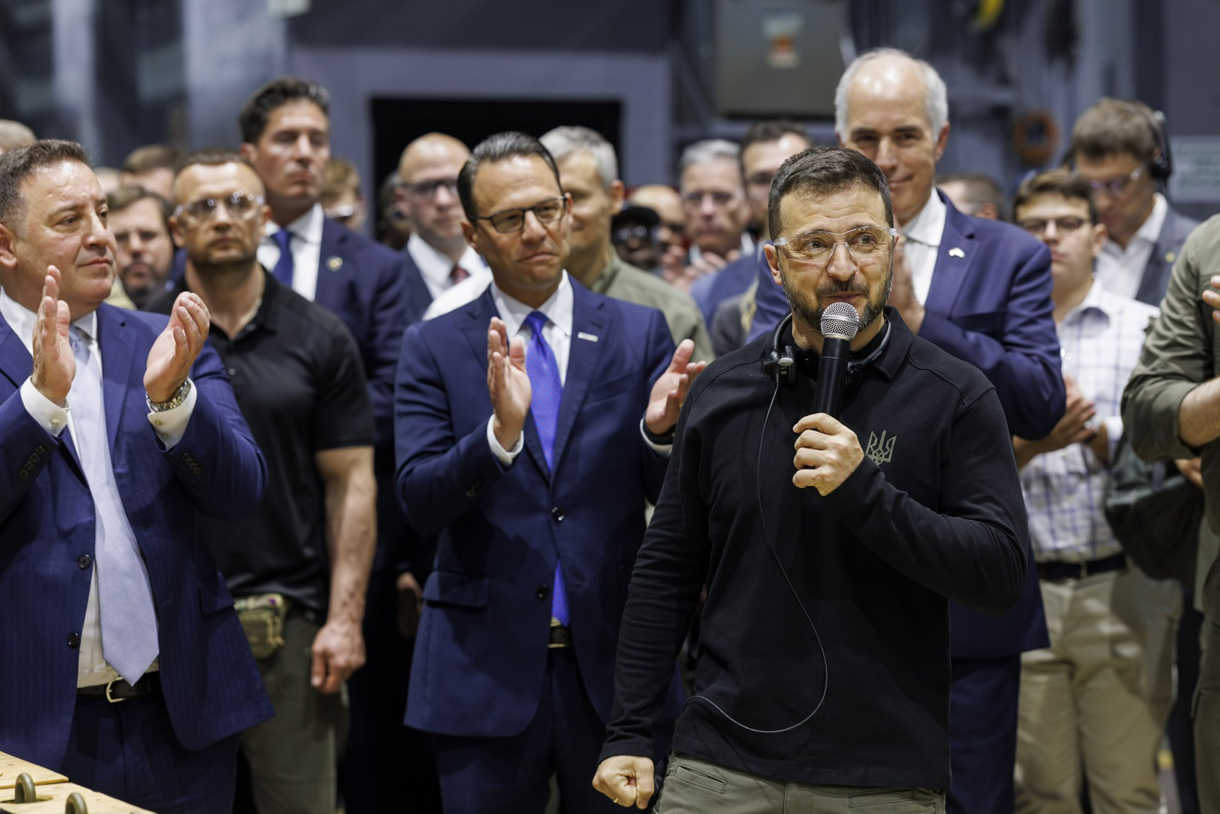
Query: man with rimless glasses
[829,545]
[299,565]
[532,424]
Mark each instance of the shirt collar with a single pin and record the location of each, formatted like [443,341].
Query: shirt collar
[1147,234]
[308,227]
[929,225]
[558,308]
[21,320]
[265,317]
[1098,300]
[436,265]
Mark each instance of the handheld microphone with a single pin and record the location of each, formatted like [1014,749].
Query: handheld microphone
[839,325]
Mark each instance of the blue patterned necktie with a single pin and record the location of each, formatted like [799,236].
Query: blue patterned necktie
[125,603]
[283,266]
[546,391]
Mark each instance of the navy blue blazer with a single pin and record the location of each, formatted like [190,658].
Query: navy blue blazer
[708,292]
[481,650]
[211,684]
[418,295]
[990,305]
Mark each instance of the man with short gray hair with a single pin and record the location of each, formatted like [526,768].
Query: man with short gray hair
[714,202]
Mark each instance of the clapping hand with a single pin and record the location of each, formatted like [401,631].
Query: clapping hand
[670,390]
[54,363]
[508,383]
[171,356]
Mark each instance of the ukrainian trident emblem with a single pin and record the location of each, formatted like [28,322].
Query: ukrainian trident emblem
[880,449]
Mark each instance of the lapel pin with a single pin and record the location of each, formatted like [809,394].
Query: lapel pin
[1170,257]
[956,252]
[334,263]
[586,337]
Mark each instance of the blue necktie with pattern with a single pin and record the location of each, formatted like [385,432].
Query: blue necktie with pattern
[547,390]
[125,602]
[283,266]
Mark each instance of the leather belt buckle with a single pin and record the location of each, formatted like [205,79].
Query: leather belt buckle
[110,686]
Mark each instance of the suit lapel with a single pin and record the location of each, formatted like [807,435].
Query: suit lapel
[953,261]
[333,266]
[474,325]
[588,317]
[118,351]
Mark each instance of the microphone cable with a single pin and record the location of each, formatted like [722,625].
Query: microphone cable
[779,563]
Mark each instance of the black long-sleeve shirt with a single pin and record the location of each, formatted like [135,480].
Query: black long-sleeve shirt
[933,511]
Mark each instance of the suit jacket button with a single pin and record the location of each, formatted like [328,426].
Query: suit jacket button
[557,514]
[475,488]
[40,449]
[84,561]
[24,474]
[543,591]
[74,640]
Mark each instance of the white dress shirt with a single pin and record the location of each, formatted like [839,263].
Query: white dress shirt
[306,250]
[1121,270]
[921,243]
[169,425]
[436,267]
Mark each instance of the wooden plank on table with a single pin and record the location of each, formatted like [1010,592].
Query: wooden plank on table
[11,766]
[53,798]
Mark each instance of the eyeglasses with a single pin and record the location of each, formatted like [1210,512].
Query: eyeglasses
[720,200]
[1064,226]
[1115,186]
[507,221]
[426,190]
[638,232]
[863,244]
[239,205]
[761,179]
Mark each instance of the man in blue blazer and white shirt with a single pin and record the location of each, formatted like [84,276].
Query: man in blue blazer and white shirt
[532,425]
[982,291]
[285,133]
[123,662]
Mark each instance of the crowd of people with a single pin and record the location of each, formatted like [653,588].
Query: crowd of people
[377,530]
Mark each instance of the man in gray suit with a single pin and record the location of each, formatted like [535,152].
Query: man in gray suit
[1119,147]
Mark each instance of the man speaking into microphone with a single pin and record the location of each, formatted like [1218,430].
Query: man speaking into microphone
[830,545]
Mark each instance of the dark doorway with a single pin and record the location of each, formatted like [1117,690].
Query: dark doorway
[397,122]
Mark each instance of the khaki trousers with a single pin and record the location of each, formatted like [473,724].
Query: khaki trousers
[292,756]
[1099,695]
[694,786]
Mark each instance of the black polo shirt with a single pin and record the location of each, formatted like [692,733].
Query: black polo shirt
[298,380]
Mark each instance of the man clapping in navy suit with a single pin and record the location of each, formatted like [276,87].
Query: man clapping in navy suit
[514,659]
[123,663]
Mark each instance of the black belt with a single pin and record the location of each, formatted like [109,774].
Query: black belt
[119,690]
[1060,571]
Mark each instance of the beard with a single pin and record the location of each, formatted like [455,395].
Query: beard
[809,310]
